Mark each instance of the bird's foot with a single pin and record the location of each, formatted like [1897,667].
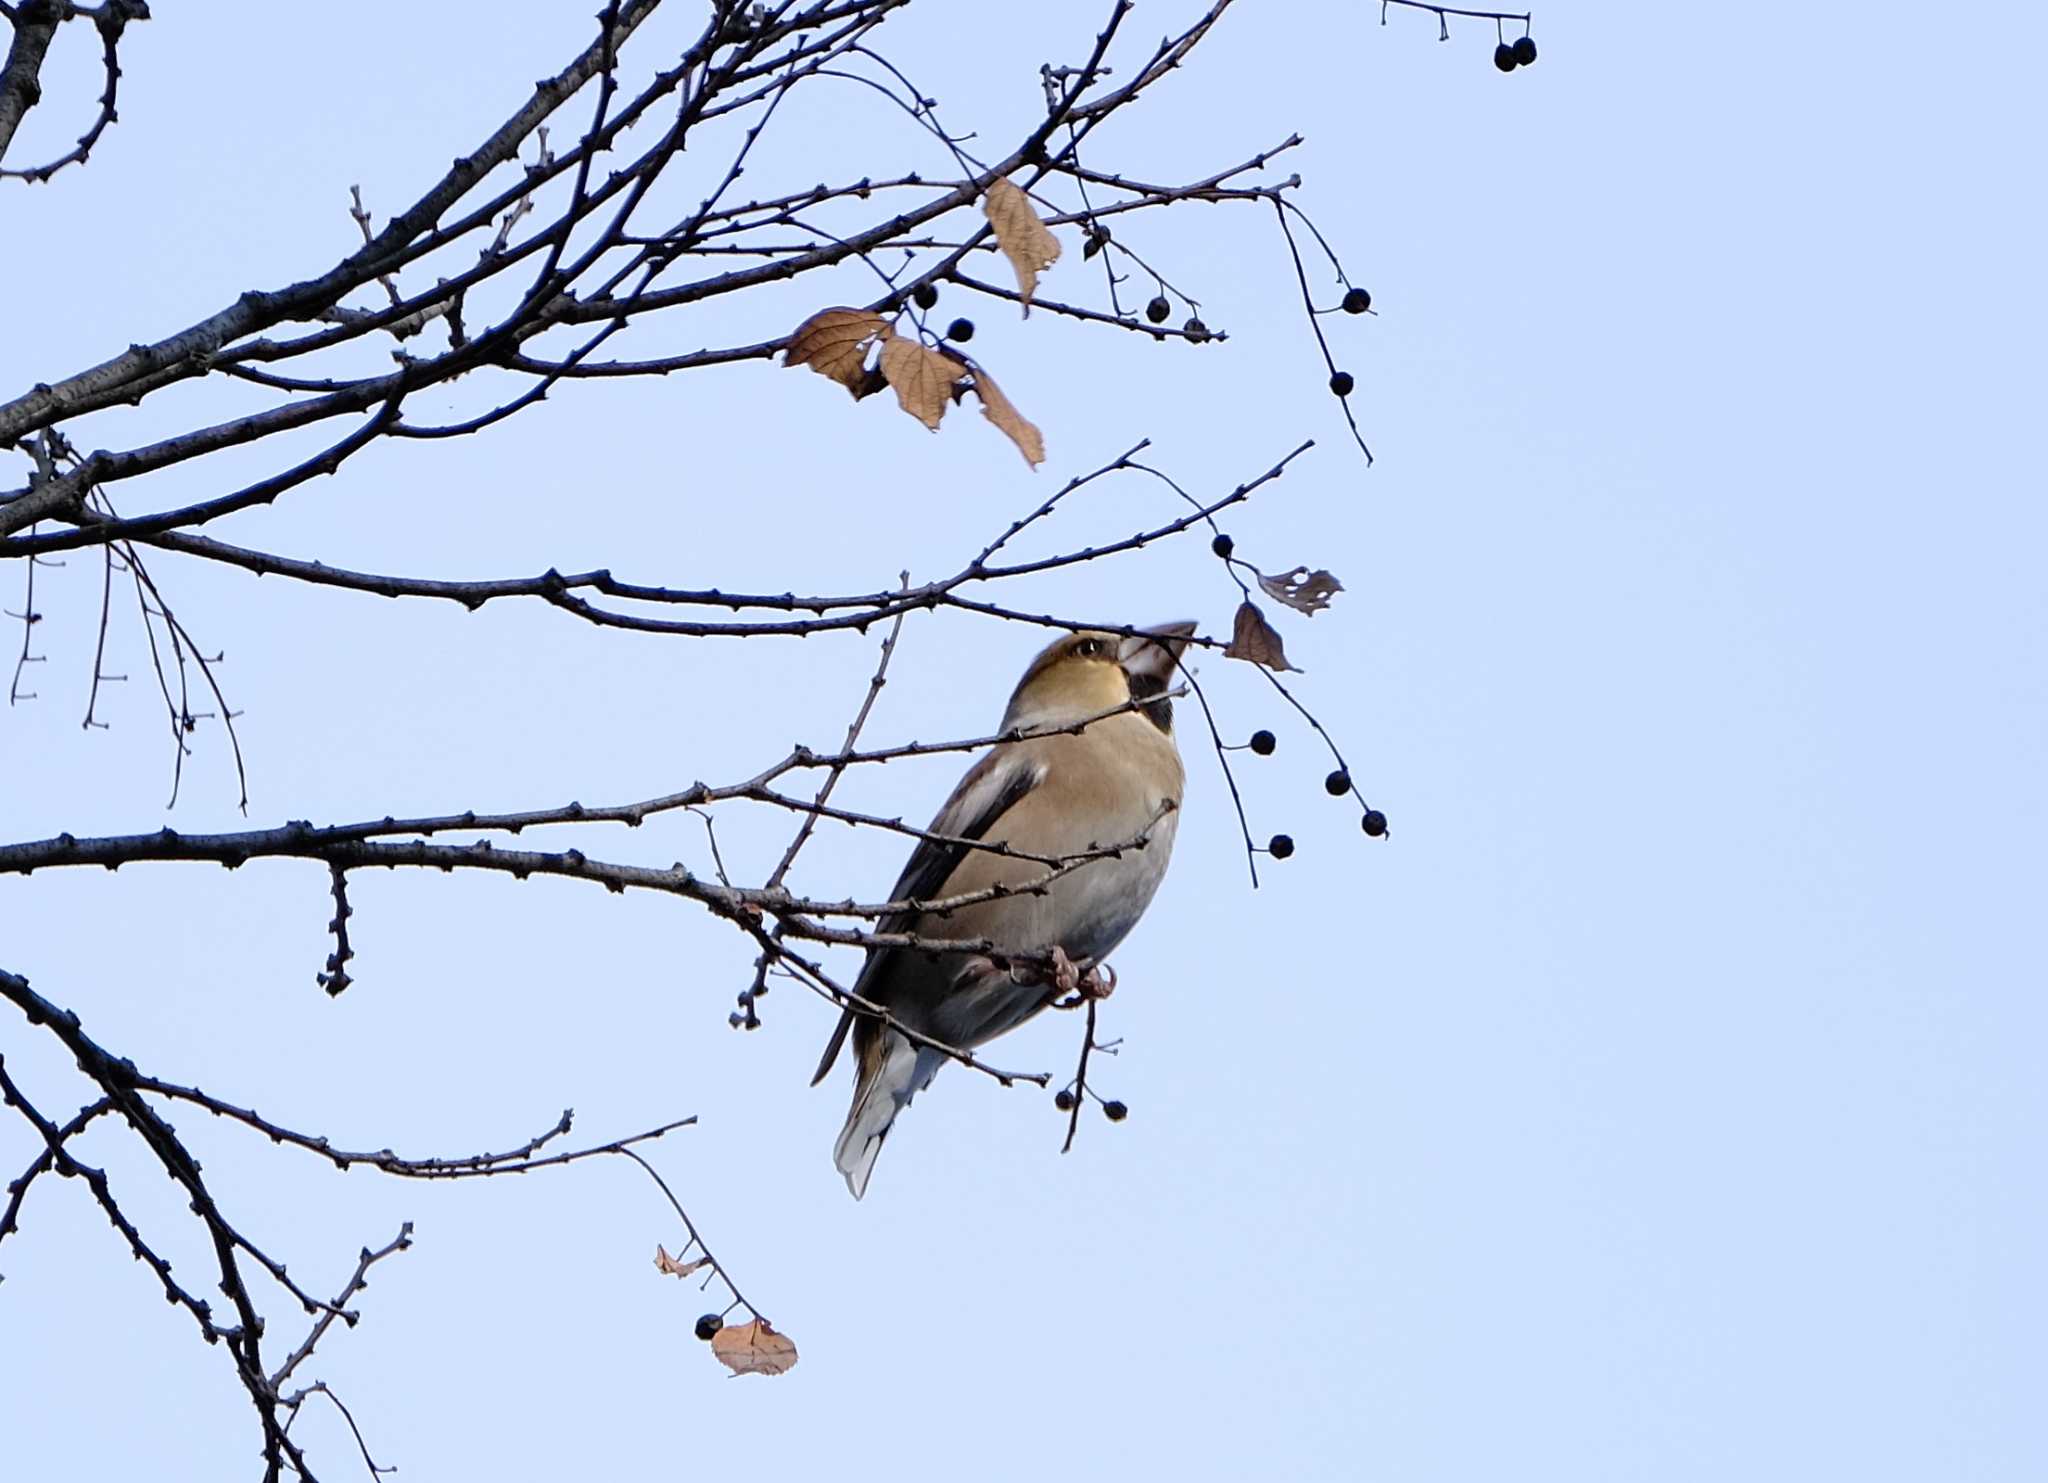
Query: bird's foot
[1061,978]
[1071,987]
[1098,982]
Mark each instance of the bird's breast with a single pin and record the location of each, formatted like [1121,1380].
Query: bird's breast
[1096,907]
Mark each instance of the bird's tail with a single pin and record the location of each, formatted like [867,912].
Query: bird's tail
[891,1074]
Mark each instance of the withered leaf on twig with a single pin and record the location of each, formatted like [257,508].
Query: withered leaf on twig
[1000,410]
[754,1349]
[834,342]
[673,1267]
[922,377]
[1253,638]
[1301,589]
[1025,240]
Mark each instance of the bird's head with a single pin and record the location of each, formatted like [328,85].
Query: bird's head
[1085,674]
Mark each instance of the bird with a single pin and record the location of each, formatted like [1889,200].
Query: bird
[1051,794]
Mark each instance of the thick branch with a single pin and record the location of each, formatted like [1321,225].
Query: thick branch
[21,83]
[112,18]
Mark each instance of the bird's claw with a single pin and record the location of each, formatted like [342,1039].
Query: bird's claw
[1071,987]
[1098,982]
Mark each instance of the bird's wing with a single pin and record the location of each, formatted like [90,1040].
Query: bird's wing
[991,788]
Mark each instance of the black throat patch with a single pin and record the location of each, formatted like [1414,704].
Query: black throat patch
[1158,712]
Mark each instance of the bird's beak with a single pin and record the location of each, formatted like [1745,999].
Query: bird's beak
[1152,655]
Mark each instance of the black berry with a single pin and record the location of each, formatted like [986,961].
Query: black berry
[1341,383]
[1158,309]
[1116,1112]
[1525,52]
[1063,1100]
[1280,846]
[1357,301]
[960,330]
[1262,743]
[1374,822]
[709,1325]
[1223,546]
[1195,330]
[925,295]
[1337,784]
[1504,57]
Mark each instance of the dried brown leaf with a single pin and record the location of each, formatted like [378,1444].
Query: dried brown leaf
[674,1267]
[754,1349]
[922,377]
[1000,410]
[1253,638]
[834,342]
[1301,589]
[1025,240]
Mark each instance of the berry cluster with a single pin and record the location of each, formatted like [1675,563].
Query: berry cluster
[1159,309]
[1508,56]
[1356,301]
[1115,1111]
[926,296]
[1338,784]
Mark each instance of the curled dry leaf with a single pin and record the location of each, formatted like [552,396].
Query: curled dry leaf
[834,342]
[1253,638]
[1000,410]
[922,377]
[665,1263]
[1301,589]
[754,1349]
[1025,240]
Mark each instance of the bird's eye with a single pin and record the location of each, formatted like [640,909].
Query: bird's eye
[1089,648]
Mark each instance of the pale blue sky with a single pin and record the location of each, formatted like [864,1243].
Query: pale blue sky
[1662,1100]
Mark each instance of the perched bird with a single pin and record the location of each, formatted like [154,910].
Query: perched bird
[1048,796]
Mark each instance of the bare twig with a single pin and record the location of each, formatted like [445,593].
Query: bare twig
[336,977]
